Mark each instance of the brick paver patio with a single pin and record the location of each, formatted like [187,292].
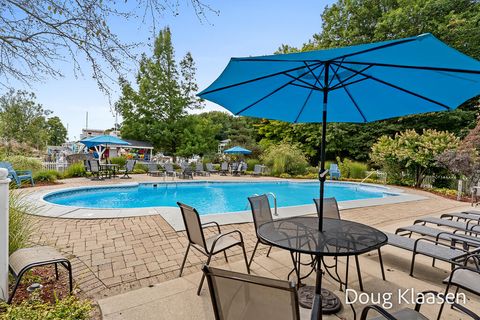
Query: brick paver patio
[111,256]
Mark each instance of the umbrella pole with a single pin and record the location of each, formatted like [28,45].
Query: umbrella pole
[322,174]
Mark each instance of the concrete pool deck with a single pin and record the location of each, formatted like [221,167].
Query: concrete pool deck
[115,256]
[172,214]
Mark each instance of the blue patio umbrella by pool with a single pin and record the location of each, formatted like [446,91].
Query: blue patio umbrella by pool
[103,140]
[360,83]
[237,150]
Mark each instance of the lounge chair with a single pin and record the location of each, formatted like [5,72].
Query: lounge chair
[242,296]
[243,169]
[199,169]
[211,246]
[128,169]
[430,248]
[448,223]
[187,173]
[18,176]
[153,169]
[169,171]
[224,169]
[330,210]
[440,234]
[210,168]
[257,170]
[261,213]
[334,171]
[25,259]
[86,166]
[462,216]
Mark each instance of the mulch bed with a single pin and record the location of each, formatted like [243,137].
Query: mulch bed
[52,288]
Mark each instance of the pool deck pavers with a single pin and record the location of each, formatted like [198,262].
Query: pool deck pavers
[112,258]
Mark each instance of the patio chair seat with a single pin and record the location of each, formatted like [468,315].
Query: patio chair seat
[222,244]
[404,314]
[25,259]
[466,279]
[425,248]
[441,234]
[447,223]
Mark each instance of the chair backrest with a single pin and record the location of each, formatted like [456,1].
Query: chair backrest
[86,165]
[11,172]
[257,168]
[225,166]
[199,167]
[330,208]
[333,167]
[94,165]
[209,166]
[237,296]
[152,167]
[183,165]
[130,165]
[168,167]
[188,171]
[244,167]
[261,211]
[235,166]
[193,226]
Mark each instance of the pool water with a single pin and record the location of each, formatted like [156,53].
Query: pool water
[209,197]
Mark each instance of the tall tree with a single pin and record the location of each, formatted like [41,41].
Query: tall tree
[36,35]
[165,92]
[349,22]
[22,119]
[56,131]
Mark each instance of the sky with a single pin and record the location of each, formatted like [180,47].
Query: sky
[242,28]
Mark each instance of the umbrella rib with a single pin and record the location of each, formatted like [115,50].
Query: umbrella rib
[273,92]
[253,80]
[308,85]
[335,73]
[398,88]
[390,65]
[313,74]
[336,87]
[304,104]
[341,82]
[353,100]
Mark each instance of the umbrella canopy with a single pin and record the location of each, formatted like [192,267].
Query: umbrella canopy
[97,141]
[354,84]
[104,139]
[237,150]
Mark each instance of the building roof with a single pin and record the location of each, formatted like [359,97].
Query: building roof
[138,144]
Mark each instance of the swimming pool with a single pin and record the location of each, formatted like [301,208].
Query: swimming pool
[208,197]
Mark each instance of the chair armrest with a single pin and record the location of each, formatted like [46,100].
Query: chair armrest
[422,294]
[212,222]
[415,245]
[23,171]
[223,235]
[378,309]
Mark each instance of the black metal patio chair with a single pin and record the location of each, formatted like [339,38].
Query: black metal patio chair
[211,246]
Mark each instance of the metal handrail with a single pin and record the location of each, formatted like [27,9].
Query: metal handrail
[274,202]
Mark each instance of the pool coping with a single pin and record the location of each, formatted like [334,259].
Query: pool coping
[172,214]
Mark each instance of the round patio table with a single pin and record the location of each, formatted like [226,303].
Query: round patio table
[338,238]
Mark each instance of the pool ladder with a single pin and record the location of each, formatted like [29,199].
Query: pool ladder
[275,212]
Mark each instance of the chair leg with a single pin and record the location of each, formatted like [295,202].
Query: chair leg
[253,254]
[184,260]
[15,287]
[203,275]
[346,274]
[70,276]
[381,264]
[56,271]
[359,273]
[443,304]
[412,265]
[268,252]
[225,254]
[245,257]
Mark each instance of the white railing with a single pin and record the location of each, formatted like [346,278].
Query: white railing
[59,166]
[4,182]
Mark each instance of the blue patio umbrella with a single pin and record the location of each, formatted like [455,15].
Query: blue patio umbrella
[237,150]
[103,140]
[360,83]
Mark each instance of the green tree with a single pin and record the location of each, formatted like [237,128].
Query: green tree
[22,119]
[57,133]
[412,152]
[198,137]
[349,22]
[156,110]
